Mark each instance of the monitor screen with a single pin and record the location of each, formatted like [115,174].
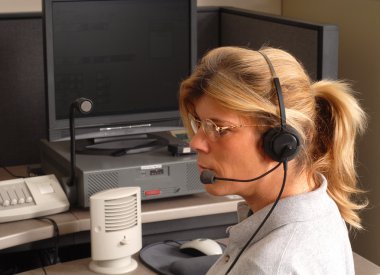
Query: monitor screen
[127,56]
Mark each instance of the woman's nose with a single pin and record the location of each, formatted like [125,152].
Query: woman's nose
[199,142]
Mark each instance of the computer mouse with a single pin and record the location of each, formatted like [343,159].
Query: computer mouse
[201,247]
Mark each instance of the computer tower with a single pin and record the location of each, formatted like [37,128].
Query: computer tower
[158,173]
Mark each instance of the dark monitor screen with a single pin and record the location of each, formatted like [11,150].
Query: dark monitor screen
[127,56]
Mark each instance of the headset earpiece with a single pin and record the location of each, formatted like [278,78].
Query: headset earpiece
[281,144]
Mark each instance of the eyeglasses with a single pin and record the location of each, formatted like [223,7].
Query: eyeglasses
[213,131]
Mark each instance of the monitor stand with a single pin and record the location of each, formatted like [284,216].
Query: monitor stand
[119,146]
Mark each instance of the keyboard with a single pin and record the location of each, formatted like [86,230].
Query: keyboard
[32,197]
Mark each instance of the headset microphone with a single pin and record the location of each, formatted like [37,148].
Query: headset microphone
[208,176]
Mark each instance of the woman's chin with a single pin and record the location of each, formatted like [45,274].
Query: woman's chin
[216,189]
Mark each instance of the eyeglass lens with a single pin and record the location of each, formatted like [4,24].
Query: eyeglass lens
[208,127]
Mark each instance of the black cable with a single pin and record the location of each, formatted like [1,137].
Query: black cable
[265,219]
[55,236]
[10,173]
[42,264]
[72,145]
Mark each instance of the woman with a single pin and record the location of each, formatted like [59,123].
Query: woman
[298,225]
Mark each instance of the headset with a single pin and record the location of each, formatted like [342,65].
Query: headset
[281,143]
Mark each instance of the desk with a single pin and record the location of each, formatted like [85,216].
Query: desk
[20,170]
[80,267]
[180,218]
[161,217]
[175,210]
[201,206]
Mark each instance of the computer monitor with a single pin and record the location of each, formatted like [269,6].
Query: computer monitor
[127,56]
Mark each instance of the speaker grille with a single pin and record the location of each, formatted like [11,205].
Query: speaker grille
[102,181]
[192,177]
[120,214]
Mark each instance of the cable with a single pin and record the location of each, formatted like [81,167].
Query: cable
[10,173]
[285,164]
[56,236]
[42,264]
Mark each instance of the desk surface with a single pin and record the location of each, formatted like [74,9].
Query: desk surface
[76,220]
[21,232]
[80,267]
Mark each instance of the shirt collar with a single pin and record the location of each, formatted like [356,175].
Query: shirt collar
[302,207]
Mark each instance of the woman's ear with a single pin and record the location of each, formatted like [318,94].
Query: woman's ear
[258,140]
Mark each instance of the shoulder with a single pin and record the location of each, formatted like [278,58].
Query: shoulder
[300,248]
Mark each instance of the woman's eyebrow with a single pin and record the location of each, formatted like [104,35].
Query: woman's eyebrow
[214,119]
[220,121]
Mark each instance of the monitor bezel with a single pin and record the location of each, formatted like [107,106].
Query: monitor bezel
[106,125]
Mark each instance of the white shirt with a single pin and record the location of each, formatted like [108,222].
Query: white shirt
[305,234]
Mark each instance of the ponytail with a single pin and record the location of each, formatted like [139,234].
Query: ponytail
[339,119]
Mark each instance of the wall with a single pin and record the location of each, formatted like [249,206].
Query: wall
[359,56]
[10,6]
[270,6]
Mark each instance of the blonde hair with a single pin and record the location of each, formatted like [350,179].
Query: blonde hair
[325,114]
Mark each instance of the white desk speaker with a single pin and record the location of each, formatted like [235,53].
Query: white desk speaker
[115,230]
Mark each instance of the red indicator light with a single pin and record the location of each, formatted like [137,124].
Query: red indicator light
[152,192]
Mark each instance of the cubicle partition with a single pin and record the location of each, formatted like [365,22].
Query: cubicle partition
[22,98]
[315,45]
[22,92]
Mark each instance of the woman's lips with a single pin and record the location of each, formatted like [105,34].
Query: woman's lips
[201,167]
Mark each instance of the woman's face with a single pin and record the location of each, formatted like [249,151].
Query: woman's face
[237,153]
